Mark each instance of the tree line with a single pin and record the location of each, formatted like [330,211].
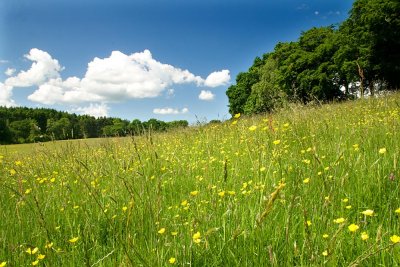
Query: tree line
[26,125]
[357,57]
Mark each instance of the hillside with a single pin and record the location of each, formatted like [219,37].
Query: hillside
[308,186]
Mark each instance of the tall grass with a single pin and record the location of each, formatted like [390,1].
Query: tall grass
[277,190]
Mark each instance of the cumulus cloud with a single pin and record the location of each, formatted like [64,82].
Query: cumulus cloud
[119,77]
[218,78]
[110,79]
[57,91]
[95,110]
[206,95]
[9,71]
[5,96]
[170,111]
[43,68]
[135,76]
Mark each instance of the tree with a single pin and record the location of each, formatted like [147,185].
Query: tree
[239,93]
[5,132]
[88,125]
[178,124]
[59,129]
[266,94]
[373,36]
[23,130]
[135,127]
[155,125]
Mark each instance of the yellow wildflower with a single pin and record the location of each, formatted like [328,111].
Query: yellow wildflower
[237,116]
[395,239]
[194,193]
[174,233]
[397,211]
[196,237]
[124,209]
[49,245]
[161,231]
[353,227]
[73,240]
[339,220]
[364,236]
[368,212]
[32,251]
[36,262]
[41,257]
[309,223]
[382,150]
[172,260]
[252,128]
[221,194]
[325,236]
[2,264]
[306,181]
[184,203]
[276,142]
[325,253]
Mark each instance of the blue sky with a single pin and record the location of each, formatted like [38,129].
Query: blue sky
[143,59]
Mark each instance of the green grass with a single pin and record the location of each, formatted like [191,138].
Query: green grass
[223,195]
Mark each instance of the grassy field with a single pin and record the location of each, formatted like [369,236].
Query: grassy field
[309,186]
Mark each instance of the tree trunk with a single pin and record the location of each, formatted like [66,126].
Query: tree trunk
[362,78]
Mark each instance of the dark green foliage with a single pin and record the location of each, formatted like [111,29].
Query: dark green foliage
[239,93]
[25,125]
[362,55]
[265,95]
[5,132]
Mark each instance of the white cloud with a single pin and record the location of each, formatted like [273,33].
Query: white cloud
[218,78]
[206,95]
[5,96]
[43,68]
[170,111]
[316,13]
[57,91]
[95,110]
[135,76]
[9,71]
[116,78]
[111,79]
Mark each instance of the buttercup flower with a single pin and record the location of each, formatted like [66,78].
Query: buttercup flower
[353,227]
[395,239]
[364,236]
[368,212]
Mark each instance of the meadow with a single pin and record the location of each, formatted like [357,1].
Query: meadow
[307,186]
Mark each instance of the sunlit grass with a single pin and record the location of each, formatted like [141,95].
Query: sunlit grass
[306,186]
